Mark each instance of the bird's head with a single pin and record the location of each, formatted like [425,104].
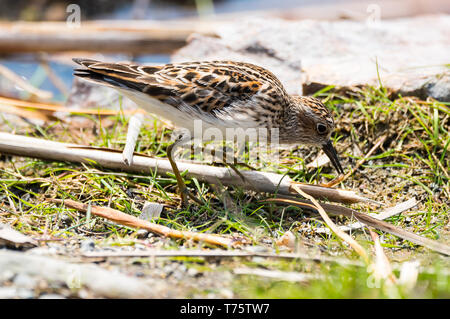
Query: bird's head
[314,125]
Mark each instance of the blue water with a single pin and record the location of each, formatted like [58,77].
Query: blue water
[32,72]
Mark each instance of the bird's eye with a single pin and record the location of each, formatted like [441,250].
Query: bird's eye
[321,128]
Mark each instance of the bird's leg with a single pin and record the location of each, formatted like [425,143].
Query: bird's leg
[184,192]
[181,185]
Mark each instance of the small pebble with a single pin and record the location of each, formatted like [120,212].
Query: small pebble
[6,275]
[192,272]
[25,281]
[142,233]
[87,245]
[226,293]
[168,269]
[66,219]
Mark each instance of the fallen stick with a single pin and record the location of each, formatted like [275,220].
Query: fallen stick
[388,212]
[106,283]
[258,181]
[131,221]
[367,220]
[99,36]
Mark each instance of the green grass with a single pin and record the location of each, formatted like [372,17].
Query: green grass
[342,282]
[413,161]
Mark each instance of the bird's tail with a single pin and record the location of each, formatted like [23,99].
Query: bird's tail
[115,75]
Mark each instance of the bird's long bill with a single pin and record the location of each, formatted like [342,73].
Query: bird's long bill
[329,149]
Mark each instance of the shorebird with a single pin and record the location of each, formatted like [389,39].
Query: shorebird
[221,94]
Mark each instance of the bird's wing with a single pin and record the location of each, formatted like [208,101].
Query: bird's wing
[212,87]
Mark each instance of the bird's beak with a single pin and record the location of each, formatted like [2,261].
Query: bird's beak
[328,148]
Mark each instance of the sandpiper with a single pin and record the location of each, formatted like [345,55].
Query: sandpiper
[222,94]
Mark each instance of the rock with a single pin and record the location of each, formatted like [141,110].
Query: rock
[411,53]
[142,233]
[99,282]
[192,272]
[66,220]
[287,240]
[151,211]
[12,292]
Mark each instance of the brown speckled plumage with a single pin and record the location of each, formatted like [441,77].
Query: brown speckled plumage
[220,93]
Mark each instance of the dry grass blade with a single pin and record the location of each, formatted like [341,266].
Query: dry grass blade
[29,114]
[369,221]
[53,107]
[131,221]
[381,268]
[389,212]
[344,236]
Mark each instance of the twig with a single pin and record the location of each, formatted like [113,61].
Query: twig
[216,253]
[260,181]
[342,178]
[389,212]
[344,236]
[131,221]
